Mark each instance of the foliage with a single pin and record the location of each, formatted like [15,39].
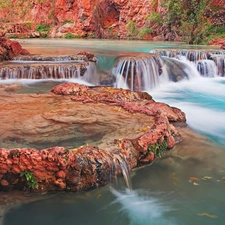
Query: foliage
[31,182]
[12,36]
[42,28]
[213,32]
[131,28]
[71,36]
[67,21]
[145,31]
[188,18]
[29,24]
[155,18]
[158,149]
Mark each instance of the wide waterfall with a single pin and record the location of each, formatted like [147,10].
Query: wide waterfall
[209,63]
[134,71]
[43,68]
[139,72]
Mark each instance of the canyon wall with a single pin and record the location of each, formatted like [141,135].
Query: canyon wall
[117,19]
[105,18]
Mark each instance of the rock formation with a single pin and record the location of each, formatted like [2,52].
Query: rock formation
[86,18]
[9,49]
[117,126]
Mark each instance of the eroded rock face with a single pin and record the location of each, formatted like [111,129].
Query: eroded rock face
[116,126]
[105,18]
[10,49]
[101,19]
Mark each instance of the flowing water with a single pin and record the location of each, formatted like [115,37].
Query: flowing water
[184,187]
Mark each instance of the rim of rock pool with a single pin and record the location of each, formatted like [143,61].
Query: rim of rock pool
[89,167]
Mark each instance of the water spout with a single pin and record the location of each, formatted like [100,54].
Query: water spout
[120,164]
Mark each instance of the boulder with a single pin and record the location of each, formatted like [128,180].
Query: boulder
[9,49]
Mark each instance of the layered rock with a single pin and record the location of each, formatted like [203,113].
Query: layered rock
[119,126]
[86,18]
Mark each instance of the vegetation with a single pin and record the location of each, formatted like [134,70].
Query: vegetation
[131,28]
[43,29]
[67,21]
[145,31]
[158,149]
[31,182]
[190,19]
[71,36]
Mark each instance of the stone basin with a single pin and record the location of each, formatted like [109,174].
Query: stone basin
[112,125]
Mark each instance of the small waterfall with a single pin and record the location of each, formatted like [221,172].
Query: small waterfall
[141,72]
[207,68]
[56,71]
[219,61]
[91,74]
[66,67]
[209,63]
[120,164]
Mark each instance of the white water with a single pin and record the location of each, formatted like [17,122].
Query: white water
[202,100]
[162,193]
[141,208]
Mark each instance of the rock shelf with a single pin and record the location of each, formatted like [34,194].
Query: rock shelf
[125,122]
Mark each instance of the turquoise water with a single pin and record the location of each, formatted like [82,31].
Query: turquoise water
[185,187]
[203,101]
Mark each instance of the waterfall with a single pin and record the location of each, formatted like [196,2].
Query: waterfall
[21,69]
[141,72]
[120,164]
[207,68]
[219,61]
[209,63]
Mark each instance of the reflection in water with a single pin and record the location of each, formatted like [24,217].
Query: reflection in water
[185,187]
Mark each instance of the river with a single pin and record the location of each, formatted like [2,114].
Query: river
[184,187]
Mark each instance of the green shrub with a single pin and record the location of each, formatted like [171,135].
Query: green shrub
[158,149]
[42,28]
[12,36]
[71,36]
[131,28]
[67,21]
[155,18]
[145,31]
[31,182]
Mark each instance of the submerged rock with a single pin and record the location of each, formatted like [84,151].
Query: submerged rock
[117,126]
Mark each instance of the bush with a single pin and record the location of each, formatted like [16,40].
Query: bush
[42,28]
[131,28]
[145,31]
[71,36]
[67,21]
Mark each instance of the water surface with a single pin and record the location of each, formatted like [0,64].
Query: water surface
[184,187]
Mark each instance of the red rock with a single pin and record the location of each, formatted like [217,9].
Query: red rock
[61,174]
[10,49]
[86,167]
[4,183]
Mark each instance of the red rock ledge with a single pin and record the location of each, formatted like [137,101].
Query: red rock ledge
[139,122]
[9,49]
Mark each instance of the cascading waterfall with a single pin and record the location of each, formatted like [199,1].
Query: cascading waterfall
[219,60]
[209,63]
[139,72]
[56,71]
[62,67]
